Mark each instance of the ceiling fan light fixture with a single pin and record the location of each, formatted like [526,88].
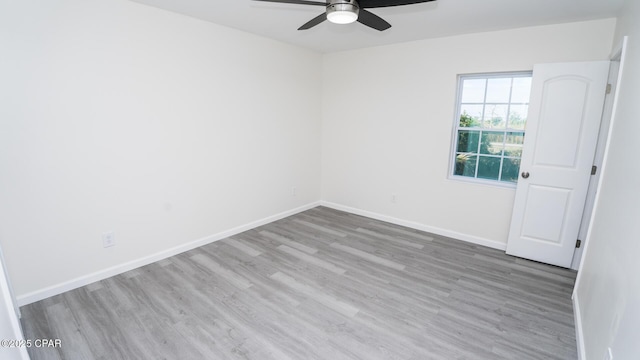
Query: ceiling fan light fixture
[342,13]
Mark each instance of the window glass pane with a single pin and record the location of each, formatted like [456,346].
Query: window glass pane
[510,170]
[495,116]
[466,165]
[518,116]
[513,144]
[492,143]
[468,141]
[488,167]
[521,90]
[498,90]
[491,126]
[471,115]
[473,90]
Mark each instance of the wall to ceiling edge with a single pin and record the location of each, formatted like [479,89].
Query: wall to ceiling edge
[169,131]
[387,124]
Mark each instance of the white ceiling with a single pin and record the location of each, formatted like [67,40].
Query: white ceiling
[410,22]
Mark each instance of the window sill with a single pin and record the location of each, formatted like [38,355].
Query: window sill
[476,181]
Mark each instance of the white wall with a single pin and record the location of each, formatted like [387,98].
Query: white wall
[120,117]
[608,292]
[388,116]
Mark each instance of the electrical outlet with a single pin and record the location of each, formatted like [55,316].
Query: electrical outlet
[394,198]
[609,354]
[108,239]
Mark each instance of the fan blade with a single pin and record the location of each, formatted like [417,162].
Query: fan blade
[299,2]
[368,4]
[372,20]
[313,22]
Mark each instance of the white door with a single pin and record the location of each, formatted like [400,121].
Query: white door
[561,135]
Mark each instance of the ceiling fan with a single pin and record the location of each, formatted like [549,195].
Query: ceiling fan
[348,11]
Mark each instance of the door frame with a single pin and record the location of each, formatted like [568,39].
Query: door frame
[618,54]
[10,309]
[599,160]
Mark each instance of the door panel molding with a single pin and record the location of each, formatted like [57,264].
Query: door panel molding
[560,140]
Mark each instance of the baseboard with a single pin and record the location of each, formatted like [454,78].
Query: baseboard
[577,318]
[414,225]
[121,268]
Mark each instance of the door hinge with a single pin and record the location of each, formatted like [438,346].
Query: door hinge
[578,243]
[608,89]
[594,170]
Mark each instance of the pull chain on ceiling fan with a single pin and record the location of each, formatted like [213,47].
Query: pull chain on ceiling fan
[348,11]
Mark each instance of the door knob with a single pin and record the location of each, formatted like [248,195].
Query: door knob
[525,174]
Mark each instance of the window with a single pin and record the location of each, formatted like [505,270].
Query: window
[490,123]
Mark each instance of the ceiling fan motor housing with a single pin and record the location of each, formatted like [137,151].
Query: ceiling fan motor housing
[337,9]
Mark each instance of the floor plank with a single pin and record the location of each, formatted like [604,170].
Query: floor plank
[322,284]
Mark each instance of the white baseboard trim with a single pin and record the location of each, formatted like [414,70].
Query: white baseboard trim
[53,290]
[577,318]
[121,268]
[414,225]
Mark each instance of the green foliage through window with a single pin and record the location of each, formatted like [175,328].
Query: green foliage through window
[490,129]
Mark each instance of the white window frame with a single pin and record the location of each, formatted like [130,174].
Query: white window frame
[456,124]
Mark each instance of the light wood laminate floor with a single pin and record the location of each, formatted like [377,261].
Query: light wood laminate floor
[322,284]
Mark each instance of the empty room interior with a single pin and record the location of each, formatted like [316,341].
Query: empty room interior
[294,179]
